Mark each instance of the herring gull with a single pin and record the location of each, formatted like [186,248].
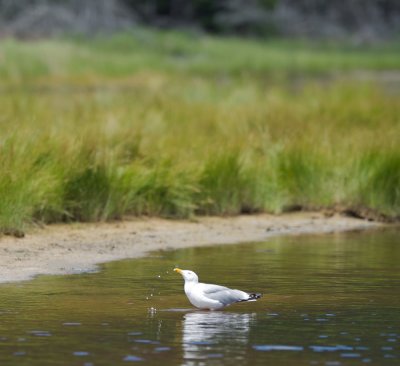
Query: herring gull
[212,297]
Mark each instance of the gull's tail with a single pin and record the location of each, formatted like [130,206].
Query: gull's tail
[254,297]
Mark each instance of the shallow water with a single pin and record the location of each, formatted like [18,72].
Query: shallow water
[328,300]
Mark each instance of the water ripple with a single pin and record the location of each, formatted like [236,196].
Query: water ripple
[331,348]
[132,358]
[277,347]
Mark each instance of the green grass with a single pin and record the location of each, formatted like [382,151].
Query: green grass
[119,56]
[173,125]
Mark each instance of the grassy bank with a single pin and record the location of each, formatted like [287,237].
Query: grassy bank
[171,126]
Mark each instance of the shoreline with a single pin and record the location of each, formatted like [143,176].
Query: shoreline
[81,247]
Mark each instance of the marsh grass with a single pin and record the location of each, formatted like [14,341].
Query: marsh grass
[175,126]
[380,188]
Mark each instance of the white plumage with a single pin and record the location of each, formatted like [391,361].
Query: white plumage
[207,296]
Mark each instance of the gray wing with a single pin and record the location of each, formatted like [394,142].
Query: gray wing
[223,294]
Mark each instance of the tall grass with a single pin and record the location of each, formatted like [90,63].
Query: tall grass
[96,132]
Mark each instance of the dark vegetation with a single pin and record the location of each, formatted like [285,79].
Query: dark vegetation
[359,20]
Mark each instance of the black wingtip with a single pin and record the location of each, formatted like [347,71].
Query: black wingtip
[254,296]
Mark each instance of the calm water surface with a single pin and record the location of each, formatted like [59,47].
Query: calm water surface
[328,300]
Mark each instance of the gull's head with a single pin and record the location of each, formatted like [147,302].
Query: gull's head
[188,276]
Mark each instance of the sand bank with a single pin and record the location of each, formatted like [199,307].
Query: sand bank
[74,248]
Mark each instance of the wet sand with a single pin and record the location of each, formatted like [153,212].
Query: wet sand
[75,248]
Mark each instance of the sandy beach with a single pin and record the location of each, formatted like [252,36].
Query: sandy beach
[75,248]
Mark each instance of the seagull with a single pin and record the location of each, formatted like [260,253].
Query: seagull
[211,297]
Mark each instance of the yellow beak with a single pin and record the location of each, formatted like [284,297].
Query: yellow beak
[178,270]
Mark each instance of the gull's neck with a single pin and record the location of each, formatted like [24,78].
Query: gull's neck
[190,283]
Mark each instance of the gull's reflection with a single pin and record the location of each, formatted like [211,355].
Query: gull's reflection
[210,335]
